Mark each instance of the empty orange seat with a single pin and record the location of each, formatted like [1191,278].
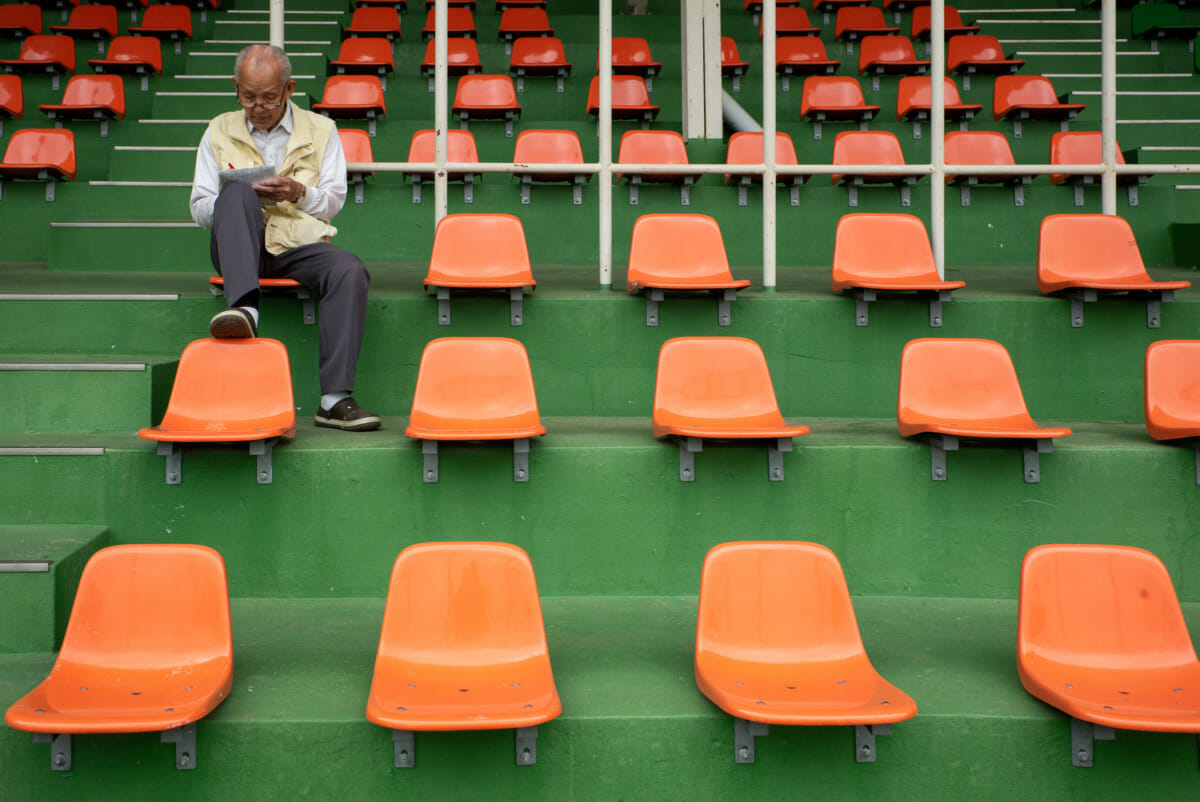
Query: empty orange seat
[914,99]
[732,65]
[18,20]
[978,55]
[54,54]
[802,55]
[539,56]
[631,56]
[228,391]
[952,22]
[1084,147]
[899,6]
[746,147]
[630,100]
[98,97]
[827,7]
[460,148]
[12,99]
[855,22]
[474,388]
[834,99]
[549,147]
[888,55]
[92,22]
[381,21]
[365,56]
[148,647]
[460,22]
[1081,255]
[718,388]
[173,23]
[463,647]
[754,8]
[654,147]
[870,147]
[131,55]
[517,23]
[981,147]
[777,642]
[1029,97]
[875,253]
[1172,393]
[791,21]
[41,154]
[1101,637]
[680,253]
[356,145]
[281,286]
[486,97]
[353,97]
[480,252]
[959,388]
[462,58]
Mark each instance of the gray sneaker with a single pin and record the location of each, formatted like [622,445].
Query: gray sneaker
[347,415]
[234,323]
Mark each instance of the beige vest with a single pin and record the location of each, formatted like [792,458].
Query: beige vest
[287,226]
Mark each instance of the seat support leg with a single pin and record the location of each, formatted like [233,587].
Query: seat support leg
[916,124]
[1083,734]
[743,190]
[1079,194]
[964,194]
[795,193]
[526,184]
[938,446]
[526,743]
[404,754]
[853,198]
[520,82]
[1131,194]
[516,303]
[685,197]
[634,183]
[262,450]
[468,189]
[905,195]
[688,447]
[785,84]
[864,740]
[174,454]
[508,124]
[308,307]
[443,298]
[184,739]
[744,733]
[724,317]
[1078,299]
[429,459]
[416,189]
[359,191]
[1198,464]
[1031,469]
[862,312]
[653,297]
[50,189]
[935,308]
[577,190]
[1019,193]
[775,450]
[817,126]
[736,84]
[1154,307]
[521,460]
[60,749]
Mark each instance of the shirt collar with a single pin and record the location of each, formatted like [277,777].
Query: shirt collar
[284,125]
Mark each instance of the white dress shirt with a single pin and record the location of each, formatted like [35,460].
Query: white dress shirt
[323,201]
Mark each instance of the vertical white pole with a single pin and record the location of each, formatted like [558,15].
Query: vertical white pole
[691,49]
[937,132]
[276,23]
[604,124]
[440,116]
[768,124]
[1108,105]
[713,89]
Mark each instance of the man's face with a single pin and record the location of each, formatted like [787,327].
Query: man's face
[260,82]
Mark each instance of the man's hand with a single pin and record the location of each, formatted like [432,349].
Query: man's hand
[279,188]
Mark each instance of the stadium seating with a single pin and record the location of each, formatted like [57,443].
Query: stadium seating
[356,145]
[654,147]
[44,53]
[791,21]
[170,22]
[981,147]
[888,55]
[462,58]
[1155,21]
[478,252]
[826,7]
[534,56]
[914,98]
[630,100]
[855,22]
[1029,97]
[349,97]
[802,55]
[870,147]
[732,65]
[631,56]
[459,23]
[1083,147]
[919,29]
[18,20]
[754,8]
[89,97]
[549,147]
[745,147]
[897,7]
[978,55]
[132,55]
[1172,403]
[12,99]
[379,21]
[365,56]
[40,154]
[486,97]
[97,22]
[516,23]
[829,98]
[460,148]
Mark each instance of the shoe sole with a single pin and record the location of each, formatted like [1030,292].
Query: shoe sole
[367,424]
[231,325]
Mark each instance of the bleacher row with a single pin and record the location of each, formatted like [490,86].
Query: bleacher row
[463,647]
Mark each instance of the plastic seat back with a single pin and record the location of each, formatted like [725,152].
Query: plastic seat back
[356,144]
[479,250]
[165,19]
[463,645]
[632,54]
[474,388]
[915,95]
[652,147]
[882,248]
[95,92]
[362,92]
[858,20]
[367,51]
[628,94]
[485,92]
[460,146]
[678,251]
[887,50]
[548,146]
[133,51]
[49,49]
[729,53]
[966,51]
[524,21]
[31,149]
[953,23]
[867,147]
[374,21]
[1172,389]
[20,19]
[461,53]
[91,18]
[800,49]
[792,21]
[746,147]
[1088,250]
[978,147]
[831,92]
[459,22]
[12,97]
[1077,147]
[538,51]
[229,391]
[1011,91]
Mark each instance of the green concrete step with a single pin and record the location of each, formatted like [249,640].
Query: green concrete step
[39,572]
[634,725]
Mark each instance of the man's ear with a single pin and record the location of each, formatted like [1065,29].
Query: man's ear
[288,88]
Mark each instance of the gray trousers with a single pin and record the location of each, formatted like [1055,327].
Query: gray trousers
[337,276]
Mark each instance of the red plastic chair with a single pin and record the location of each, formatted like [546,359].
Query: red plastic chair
[680,253]
[754,8]
[173,23]
[875,253]
[12,99]
[480,252]
[90,97]
[952,23]
[18,20]
[978,55]
[131,55]
[486,97]
[1101,637]
[777,642]
[746,147]
[228,391]
[951,389]
[517,23]
[41,154]
[148,647]
[802,55]
[829,98]
[97,22]
[356,144]
[899,6]
[1084,147]
[630,100]
[855,22]
[549,147]
[791,21]
[379,21]
[460,22]
[474,388]
[981,147]
[655,147]
[827,7]
[539,56]
[353,97]
[631,56]
[365,56]
[42,53]
[463,647]
[888,55]
[870,147]
[1082,255]
[278,286]
[732,65]
[1029,97]
[462,58]
[914,99]
[718,388]
[460,147]
[1172,393]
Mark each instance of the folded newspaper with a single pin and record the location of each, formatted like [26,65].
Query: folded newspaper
[246,175]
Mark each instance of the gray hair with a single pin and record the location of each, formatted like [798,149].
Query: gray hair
[260,54]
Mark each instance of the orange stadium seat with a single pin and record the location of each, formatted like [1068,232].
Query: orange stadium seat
[1082,255]
[981,147]
[680,253]
[855,22]
[732,65]
[44,53]
[955,389]
[914,98]
[228,391]
[870,147]
[381,21]
[631,56]
[90,97]
[148,648]
[460,22]
[539,56]
[827,7]
[518,23]
[718,388]
[777,642]
[630,100]
[954,26]
[830,98]
[353,97]
[474,389]
[18,20]
[462,58]
[478,252]
[131,55]
[754,8]
[874,253]
[486,97]
[655,147]
[1029,97]
[549,147]
[1084,147]
[462,647]
[746,147]
[356,144]
[978,55]
[460,147]
[12,99]
[280,286]
[364,56]
[97,22]
[1101,637]
[897,7]
[173,23]
[1172,393]
[791,21]
[802,55]
[40,154]
[888,55]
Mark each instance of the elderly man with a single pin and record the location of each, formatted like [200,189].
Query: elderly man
[279,227]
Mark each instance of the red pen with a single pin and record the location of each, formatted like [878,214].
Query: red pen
[231,165]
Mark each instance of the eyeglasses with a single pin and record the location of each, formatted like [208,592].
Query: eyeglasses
[250,103]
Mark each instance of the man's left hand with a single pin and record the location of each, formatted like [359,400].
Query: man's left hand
[279,188]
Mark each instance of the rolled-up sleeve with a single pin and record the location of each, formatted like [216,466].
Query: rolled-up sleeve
[205,184]
[326,199]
